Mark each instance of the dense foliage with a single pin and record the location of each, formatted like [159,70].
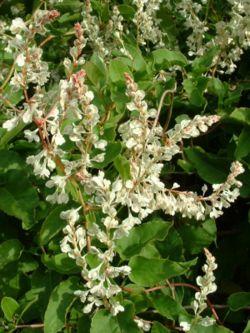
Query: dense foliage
[124,166]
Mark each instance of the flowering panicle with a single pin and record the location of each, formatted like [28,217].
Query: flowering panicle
[147,22]
[79,44]
[146,192]
[232,36]
[206,284]
[103,40]
[190,11]
[73,120]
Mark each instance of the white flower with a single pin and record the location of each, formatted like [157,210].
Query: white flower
[110,222]
[58,138]
[185,326]
[82,294]
[20,60]
[99,158]
[143,324]
[27,116]
[42,164]
[70,215]
[17,25]
[207,321]
[31,135]
[101,144]
[59,196]
[11,123]
[116,307]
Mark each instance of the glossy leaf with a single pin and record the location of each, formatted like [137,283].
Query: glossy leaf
[52,225]
[147,272]
[60,300]
[10,250]
[239,301]
[139,236]
[9,307]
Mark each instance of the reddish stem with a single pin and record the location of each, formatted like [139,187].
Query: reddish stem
[188,285]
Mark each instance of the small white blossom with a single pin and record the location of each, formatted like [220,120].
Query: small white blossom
[20,60]
[31,135]
[17,26]
[185,326]
[143,324]
[11,123]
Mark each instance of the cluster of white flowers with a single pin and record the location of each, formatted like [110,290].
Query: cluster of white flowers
[103,40]
[79,44]
[29,65]
[231,37]
[143,324]
[147,22]
[224,194]
[206,284]
[74,118]
[190,10]
[146,151]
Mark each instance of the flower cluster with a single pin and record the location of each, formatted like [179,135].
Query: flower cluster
[68,128]
[103,40]
[206,284]
[190,11]
[231,38]
[147,22]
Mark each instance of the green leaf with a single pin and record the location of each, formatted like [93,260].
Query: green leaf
[195,90]
[10,160]
[27,263]
[216,87]
[166,305]
[172,246]
[202,64]
[211,168]
[60,300]
[68,5]
[243,146]
[159,328]
[139,236]
[122,166]
[196,237]
[8,136]
[239,301]
[247,328]
[10,250]
[242,115]
[150,251]
[104,322]
[52,225]
[147,272]
[126,11]
[60,263]
[210,329]
[169,58]
[96,71]
[11,281]
[83,324]
[113,149]
[9,307]
[126,319]
[138,63]
[18,197]
[245,179]
[117,69]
